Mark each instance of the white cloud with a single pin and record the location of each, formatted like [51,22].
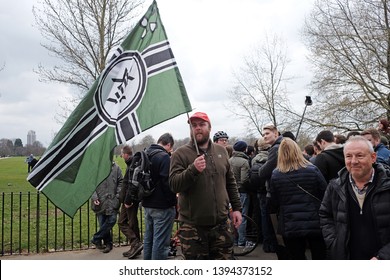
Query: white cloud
[208,38]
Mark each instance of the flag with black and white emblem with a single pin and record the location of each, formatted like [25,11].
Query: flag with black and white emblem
[139,88]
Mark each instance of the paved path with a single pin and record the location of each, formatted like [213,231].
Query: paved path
[115,254]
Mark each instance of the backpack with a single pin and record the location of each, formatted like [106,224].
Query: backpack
[140,179]
[257,183]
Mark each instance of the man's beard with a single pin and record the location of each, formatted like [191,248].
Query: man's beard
[203,140]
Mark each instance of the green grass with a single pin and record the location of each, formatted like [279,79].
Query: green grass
[13,174]
[30,223]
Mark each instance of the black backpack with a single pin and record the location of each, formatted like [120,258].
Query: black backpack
[257,183]
[140,179]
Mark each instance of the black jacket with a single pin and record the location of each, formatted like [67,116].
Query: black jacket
[125,182]
[265,171]
[298,210]
[258,184]
[330,162]
[335,219]
[162,197]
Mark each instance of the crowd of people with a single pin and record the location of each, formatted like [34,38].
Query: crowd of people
[331,198]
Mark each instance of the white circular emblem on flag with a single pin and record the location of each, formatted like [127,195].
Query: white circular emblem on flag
[121,87]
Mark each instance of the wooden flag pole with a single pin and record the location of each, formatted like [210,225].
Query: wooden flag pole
[192,135]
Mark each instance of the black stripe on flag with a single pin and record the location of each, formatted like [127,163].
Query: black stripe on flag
[155,47]
[127,128]
[65,149]
[77,153]
[159,57]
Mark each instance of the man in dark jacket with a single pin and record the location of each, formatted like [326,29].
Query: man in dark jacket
[240,166]
[159,207]
[382,152]
[128,220]
[272,138]
[201,174]
[331,159]
[105,203]
[355,210]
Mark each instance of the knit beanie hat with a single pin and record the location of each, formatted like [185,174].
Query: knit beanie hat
[240,146]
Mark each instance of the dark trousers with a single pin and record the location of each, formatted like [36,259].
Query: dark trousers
[297,247]
[106,223]
[269,236]
[128,223]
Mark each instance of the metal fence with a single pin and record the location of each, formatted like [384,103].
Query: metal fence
[30,223]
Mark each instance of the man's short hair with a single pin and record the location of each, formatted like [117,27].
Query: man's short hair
[315,144]
[340,139]
[270,126]
[352,133]
[289,134]
[359,138]
[373,132]
[325,135]
[309,149]
[126,149]
[166,139]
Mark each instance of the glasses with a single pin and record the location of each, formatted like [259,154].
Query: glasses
[224,140]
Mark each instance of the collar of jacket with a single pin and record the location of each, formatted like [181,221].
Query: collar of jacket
[210,144]
[240,154]
[277,141]
[381,180]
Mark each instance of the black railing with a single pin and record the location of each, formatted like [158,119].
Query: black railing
[30,223]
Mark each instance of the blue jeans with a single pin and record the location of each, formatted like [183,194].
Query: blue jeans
[269,237]
[106,223]
[244,198]
[158,231]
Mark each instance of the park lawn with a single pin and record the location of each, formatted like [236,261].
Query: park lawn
[24,231]
[13,175]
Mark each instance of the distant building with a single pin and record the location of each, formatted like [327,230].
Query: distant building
[31,137]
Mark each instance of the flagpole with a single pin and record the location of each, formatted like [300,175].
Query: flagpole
[192,135]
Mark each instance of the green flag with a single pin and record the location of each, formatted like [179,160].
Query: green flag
[140,87]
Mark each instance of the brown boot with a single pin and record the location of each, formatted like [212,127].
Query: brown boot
[127,253]
[136,250]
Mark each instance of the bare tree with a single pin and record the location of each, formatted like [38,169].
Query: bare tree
[259,91]
[350,51]
[82,34]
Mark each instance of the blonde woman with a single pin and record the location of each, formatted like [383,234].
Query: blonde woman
[297,188]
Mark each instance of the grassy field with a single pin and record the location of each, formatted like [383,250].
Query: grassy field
[30,223]
[13,174]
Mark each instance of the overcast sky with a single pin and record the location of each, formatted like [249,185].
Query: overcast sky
[209,38]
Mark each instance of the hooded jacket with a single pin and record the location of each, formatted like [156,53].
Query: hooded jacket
[203,196]
[240,165]
[162,197]
[258,183]
[330,161]
[382,154]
